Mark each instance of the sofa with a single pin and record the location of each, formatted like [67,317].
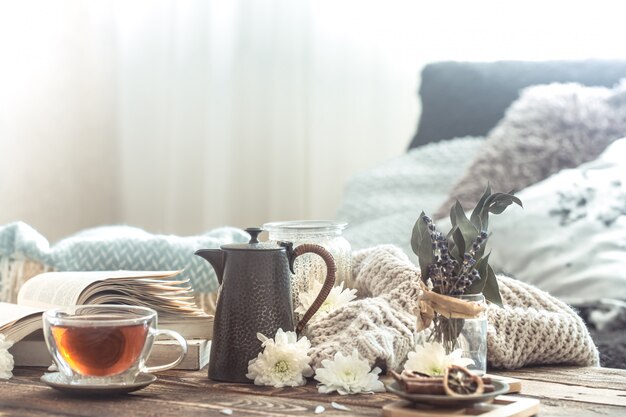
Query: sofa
[550,131]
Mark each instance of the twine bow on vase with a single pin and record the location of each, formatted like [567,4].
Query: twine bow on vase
[432,303]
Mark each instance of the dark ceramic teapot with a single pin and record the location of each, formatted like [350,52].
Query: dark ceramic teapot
[255,297]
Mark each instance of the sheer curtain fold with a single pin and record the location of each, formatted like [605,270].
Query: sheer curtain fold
[268,110]
[181,116]
[58,162]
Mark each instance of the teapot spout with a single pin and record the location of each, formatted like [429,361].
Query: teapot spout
[216,258]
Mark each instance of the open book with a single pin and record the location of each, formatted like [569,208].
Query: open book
[171,297]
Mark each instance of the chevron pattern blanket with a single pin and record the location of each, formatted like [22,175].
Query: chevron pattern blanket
[111,248]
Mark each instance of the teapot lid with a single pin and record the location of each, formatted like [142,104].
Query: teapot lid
[254,243]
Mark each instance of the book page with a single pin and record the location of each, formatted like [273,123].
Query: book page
[54,289]
[10,313]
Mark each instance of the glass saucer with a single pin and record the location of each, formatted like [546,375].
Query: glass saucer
[58,381]
[446,400]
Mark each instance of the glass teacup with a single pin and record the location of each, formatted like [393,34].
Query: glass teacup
[104,344]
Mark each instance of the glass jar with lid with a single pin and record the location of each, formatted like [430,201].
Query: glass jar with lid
[310,269]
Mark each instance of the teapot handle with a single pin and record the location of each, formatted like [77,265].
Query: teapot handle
[329,282]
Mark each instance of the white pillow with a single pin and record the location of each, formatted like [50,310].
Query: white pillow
[570,238]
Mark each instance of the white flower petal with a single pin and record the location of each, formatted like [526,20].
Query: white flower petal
[319,409]
[6,359]
[226,411]
[323,389]
[431,359]
[338,406]
[347,375]
[337,297]
[284,361]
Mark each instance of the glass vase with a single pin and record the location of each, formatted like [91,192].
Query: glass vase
[468,335]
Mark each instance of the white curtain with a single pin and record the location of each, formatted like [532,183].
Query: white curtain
[58,158]
[250,111]
[180,116]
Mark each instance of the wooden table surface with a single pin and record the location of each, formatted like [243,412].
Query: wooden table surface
[563,391]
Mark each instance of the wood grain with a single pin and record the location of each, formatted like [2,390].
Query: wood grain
[515,385]
[503,406]
[171,396]
[563,392]
[593,377]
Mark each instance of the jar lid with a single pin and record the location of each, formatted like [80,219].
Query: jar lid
[305,226]
[254,243]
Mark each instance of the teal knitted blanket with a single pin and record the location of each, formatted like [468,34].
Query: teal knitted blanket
[115,248]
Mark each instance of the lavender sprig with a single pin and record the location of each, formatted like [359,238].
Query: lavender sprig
[449,276]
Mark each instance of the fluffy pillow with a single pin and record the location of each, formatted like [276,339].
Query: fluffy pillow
[111,248]
[570,238]
[549,128]
[382,204]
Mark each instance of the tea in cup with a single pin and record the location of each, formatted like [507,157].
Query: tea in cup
[102,344]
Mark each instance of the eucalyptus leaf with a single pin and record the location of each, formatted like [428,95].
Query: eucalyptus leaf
[476,218]
[422,245]
[451,232]
[477,286]
[453,215]
[416,234]
[459,244]
[425,256]
[491,291]
[498,202]
[467,228]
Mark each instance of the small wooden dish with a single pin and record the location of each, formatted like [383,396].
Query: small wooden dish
[446,400]
[502,406]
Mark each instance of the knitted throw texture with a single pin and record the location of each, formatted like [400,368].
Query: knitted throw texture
[533,327]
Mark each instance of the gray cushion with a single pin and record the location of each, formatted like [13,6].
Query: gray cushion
[550,128]
[468,99]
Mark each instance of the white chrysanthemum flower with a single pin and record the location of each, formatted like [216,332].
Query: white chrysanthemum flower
[338,297]
[431,359]
[348,375]
[6,359]
[284,361]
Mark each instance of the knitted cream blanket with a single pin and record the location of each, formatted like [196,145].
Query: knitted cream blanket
[533,327]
